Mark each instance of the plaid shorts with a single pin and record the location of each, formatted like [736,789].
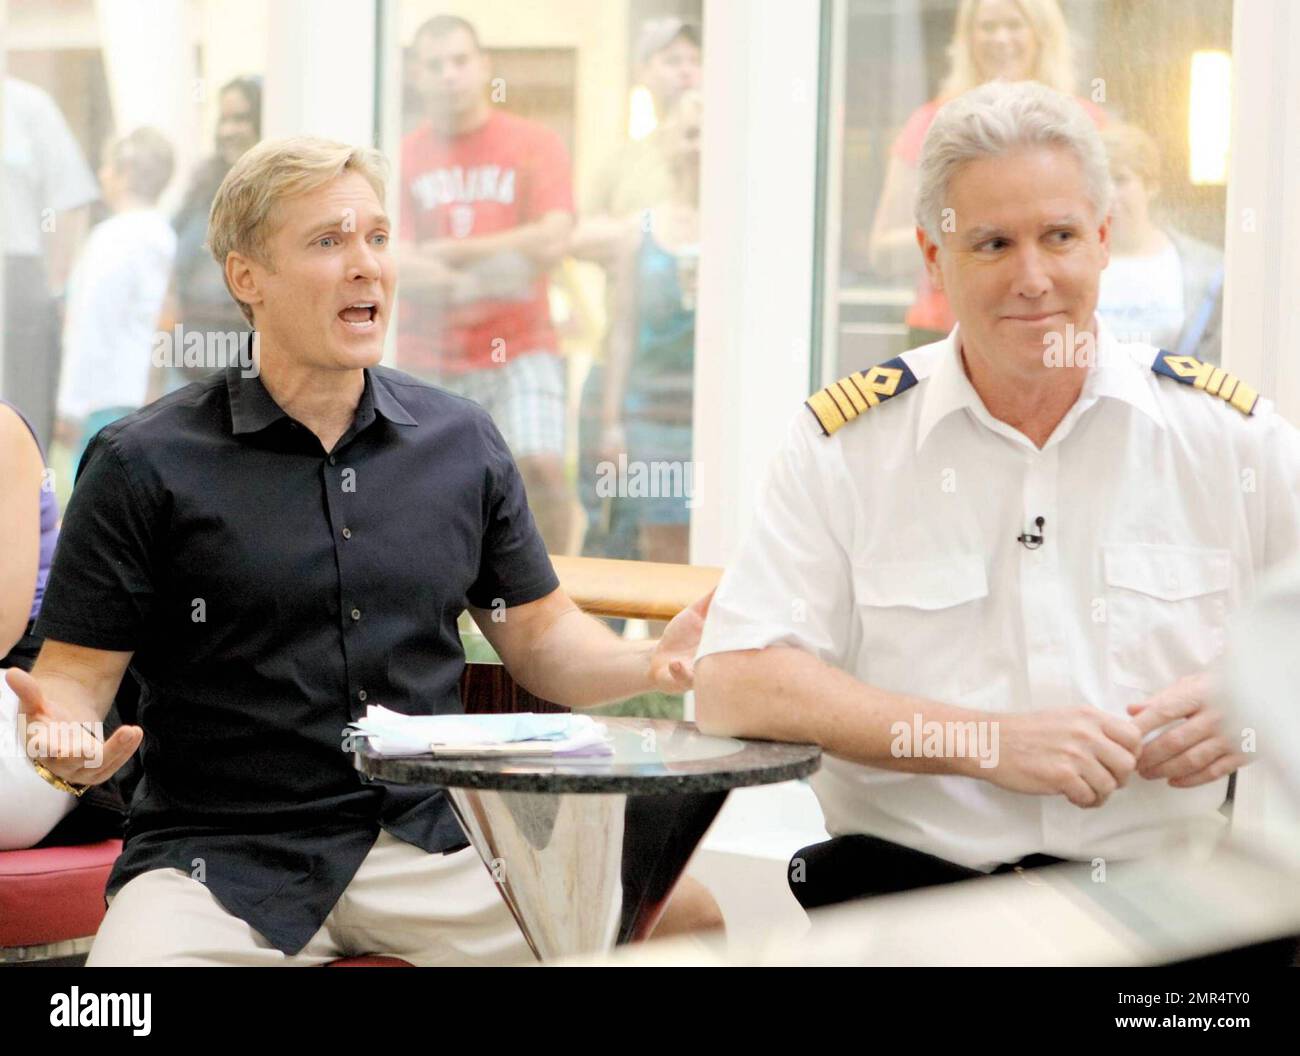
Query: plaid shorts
[525,397]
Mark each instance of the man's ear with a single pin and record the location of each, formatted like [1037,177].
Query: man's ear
[243,276]
[1103,237]
[930,254]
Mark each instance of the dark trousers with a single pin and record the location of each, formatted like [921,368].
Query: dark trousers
[857,866]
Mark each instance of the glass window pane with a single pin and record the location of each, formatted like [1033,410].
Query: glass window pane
[117,131]
[548,220]
[1161,102]
[549,227]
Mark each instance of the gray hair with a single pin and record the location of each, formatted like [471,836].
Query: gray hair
[996,119]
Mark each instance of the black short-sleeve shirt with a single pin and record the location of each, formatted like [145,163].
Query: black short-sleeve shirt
[270,592]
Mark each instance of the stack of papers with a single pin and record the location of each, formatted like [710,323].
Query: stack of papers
[389,733]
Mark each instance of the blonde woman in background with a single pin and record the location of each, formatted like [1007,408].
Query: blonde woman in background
[645,407]
[1009,40]
[1161,286]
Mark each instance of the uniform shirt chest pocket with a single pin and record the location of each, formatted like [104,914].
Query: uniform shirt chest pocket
[1166,608]
[918,619]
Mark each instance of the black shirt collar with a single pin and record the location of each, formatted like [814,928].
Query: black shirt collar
[252,408]
[386,401]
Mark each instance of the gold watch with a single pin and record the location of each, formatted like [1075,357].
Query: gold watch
[54,779]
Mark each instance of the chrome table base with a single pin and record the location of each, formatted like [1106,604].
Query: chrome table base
[581,872]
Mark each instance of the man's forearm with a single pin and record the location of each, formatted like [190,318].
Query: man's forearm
[599,238]
[581,663]
[85,687]
[543,242]
[786,694]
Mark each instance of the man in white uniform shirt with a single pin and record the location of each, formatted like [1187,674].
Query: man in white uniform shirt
[989,576]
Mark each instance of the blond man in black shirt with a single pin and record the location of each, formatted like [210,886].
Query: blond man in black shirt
[269,550]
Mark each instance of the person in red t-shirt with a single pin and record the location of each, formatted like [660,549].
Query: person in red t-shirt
[1010,40]
[487,210]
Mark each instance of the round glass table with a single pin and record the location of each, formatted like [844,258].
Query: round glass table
[586,849]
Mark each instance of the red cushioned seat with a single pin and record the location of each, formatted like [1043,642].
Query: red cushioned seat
[55,893]
[370,960]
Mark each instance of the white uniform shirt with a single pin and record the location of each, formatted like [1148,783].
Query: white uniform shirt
[889,549]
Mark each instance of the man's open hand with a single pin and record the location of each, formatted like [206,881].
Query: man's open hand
[68,744]
[1195,749]
[672,665]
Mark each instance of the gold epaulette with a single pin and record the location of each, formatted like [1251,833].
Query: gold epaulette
[1215,380]
[842,401]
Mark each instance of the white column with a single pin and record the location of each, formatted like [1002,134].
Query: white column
[752,359]
[757,213]
[320,76]
[1262,290]
[152,79]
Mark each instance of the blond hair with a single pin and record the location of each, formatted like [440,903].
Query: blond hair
[1053,65]
[267,174]
[1128,147]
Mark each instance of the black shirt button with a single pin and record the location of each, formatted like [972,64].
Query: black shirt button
[356,614]
[347,533]
[332,460]
[362,694]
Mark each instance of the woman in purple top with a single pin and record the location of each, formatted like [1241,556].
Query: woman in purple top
[29,515]
[33,813]
[30,809]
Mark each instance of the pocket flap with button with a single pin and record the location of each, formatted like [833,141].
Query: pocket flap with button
[934,584]
[1170,573]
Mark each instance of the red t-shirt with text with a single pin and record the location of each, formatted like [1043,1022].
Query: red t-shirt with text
[504,174]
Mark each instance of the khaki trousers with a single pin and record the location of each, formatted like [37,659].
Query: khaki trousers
[429,909]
